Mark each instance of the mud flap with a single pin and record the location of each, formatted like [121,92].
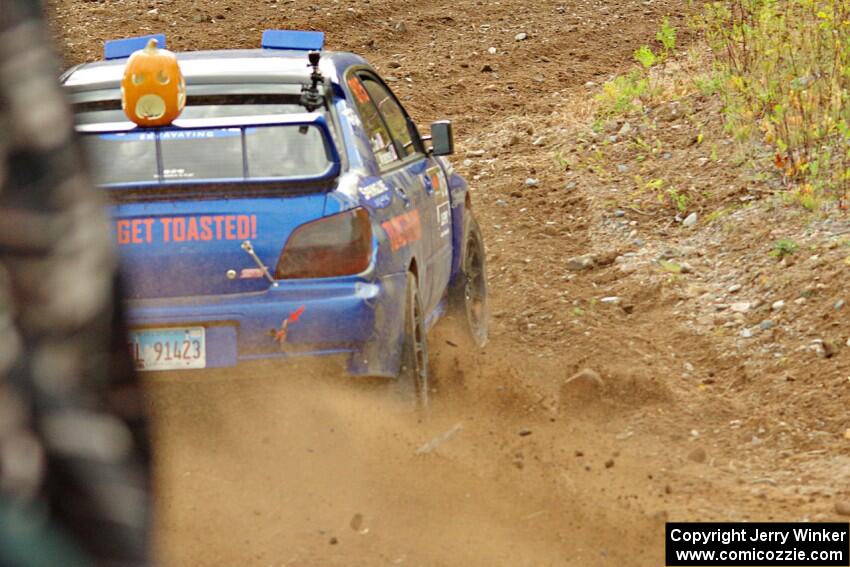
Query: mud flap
[381,354]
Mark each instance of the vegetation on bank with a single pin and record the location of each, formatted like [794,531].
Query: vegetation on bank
[782,71]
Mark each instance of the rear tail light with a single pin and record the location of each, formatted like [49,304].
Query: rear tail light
[339,245]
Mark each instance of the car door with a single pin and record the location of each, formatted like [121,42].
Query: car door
[418,178]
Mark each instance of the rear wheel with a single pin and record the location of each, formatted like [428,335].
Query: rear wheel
[413,376]
[468,296]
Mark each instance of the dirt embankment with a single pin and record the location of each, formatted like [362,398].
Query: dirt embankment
[676,412]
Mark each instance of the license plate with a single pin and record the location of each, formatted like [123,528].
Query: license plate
[168,349]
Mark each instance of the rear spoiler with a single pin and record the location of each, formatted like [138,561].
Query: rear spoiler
[186,128]
[305,118]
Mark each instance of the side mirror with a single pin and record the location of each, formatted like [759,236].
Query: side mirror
[442,138]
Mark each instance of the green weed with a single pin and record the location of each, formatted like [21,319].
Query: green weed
[718,214]
[680,200]
[621,95]
[666,36]
[670,267]
[645,57]
[783,247]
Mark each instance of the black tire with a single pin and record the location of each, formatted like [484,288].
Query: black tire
[414,376]
[468,298]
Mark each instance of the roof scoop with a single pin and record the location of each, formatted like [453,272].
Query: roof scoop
[121,48]
[293,39]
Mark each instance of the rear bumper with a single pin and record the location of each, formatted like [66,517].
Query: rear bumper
[345,316]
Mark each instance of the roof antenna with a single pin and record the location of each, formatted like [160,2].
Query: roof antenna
[311,98]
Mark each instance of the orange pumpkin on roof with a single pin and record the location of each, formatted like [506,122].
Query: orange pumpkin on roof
[153,90]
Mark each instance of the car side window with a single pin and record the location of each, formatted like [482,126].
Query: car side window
[394,116]
[379,136]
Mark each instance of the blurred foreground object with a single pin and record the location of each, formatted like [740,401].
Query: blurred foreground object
[74,485]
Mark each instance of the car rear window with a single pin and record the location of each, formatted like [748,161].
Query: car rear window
[209,154]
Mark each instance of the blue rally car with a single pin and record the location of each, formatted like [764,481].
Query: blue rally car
[292,210]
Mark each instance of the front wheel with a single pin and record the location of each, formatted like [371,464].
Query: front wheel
[468,298]
[413,376]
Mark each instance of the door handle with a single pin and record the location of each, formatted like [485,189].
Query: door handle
[427,184]
[401,193]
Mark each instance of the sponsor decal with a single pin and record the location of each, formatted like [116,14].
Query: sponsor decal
[177,173]
[352,117]
[173,135]
[384,152]
[444,214]
[199,134]
[204,228]
[385,156]
[374,189]
[358,90]
[281,333]
[435,181]
[403,230]
[376,194]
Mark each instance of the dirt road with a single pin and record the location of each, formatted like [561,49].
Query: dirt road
[279,469]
